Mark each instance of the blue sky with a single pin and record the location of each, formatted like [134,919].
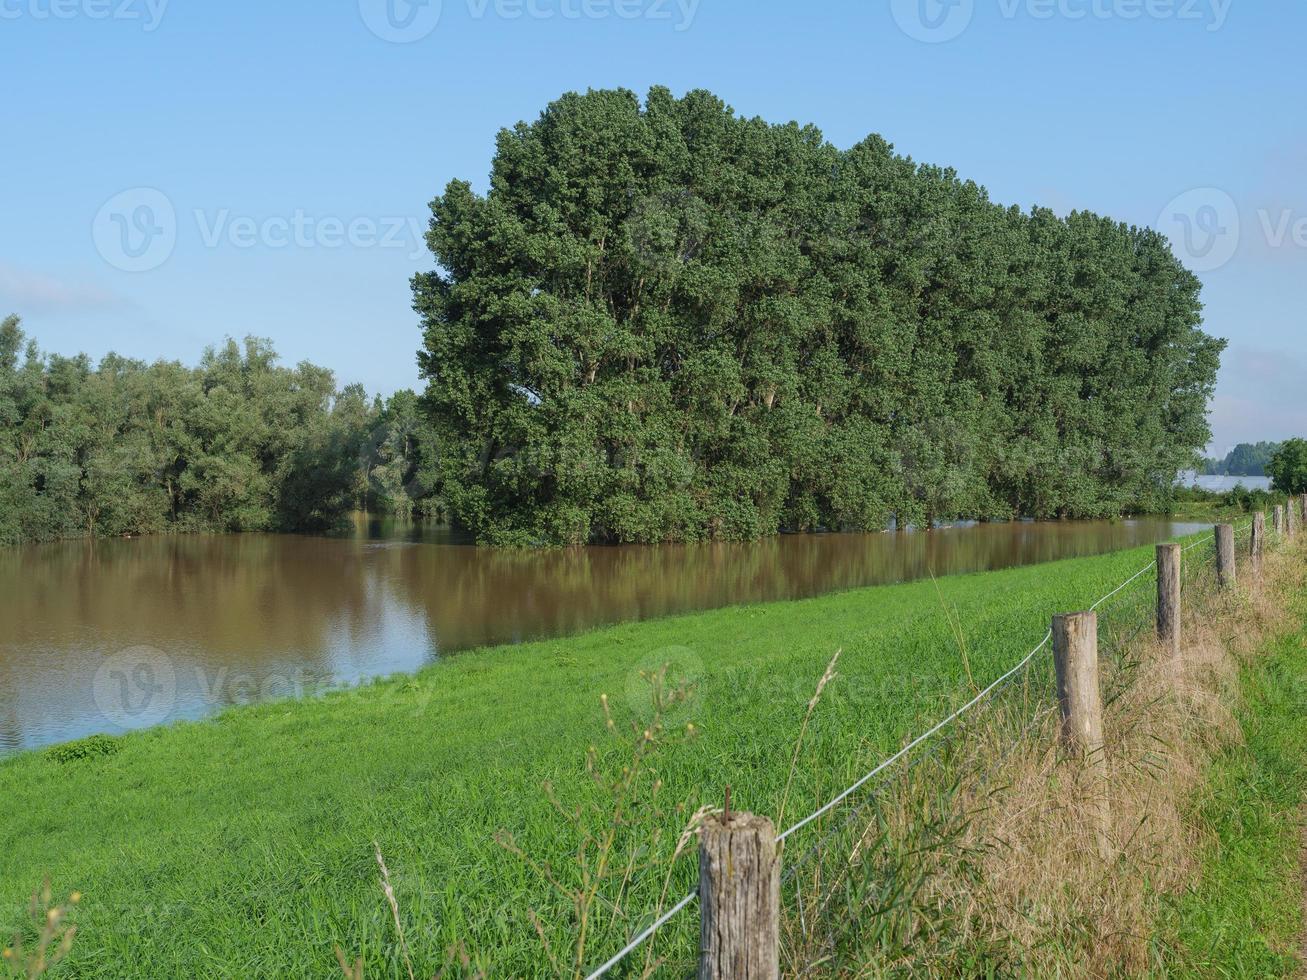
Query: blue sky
[177,171]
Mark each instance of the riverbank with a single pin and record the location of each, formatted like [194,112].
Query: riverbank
[224,619]
[245,845]
[1235,503]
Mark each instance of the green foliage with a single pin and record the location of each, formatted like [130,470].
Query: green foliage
[1246,459]
[92,747]
[1212,506]
[402,460]
[666,322]
[1288,467]
[235,444]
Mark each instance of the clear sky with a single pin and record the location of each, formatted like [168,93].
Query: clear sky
[175,171]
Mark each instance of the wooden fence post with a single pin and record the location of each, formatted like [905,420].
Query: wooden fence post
[739,898]
[1279,519]
[1290,517]
[1169,557]
[1225,571]
[1075,656]
[1259,541]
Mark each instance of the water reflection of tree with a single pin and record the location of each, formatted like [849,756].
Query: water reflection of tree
[231,595]
[477,596]
[238,608]
[266,605]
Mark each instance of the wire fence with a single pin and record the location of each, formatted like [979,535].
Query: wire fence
[1132,615]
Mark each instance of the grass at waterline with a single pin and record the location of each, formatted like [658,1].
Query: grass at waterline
[1194,504]
[1244,918]
[243,846]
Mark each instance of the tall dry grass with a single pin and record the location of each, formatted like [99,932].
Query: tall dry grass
[997,853]
[46,939]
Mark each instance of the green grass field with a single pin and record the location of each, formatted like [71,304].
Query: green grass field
[243,846]
[1245,916]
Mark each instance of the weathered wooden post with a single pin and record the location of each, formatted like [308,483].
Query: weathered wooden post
[739,898]
[1259,541]
[1290,517]
[1075,657]
[1279,519]
[1225,572]
[1169,557]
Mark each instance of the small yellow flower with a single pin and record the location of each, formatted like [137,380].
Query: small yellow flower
[9,954]
[75,897]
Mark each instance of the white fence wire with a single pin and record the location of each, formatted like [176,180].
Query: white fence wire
[881,767]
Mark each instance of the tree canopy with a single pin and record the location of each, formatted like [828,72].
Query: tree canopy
[667,322]
[238,443]
[1288,467]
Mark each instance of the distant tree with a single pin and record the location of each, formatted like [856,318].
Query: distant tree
[1246,459]
[1288,467]
[238,443]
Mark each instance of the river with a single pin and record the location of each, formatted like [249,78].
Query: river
[1224,484]
[105,636]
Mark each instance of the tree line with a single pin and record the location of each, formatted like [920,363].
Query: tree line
[666,322]
[238,443]
[1245,459]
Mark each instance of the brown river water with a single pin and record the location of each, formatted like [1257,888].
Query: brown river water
[106,636]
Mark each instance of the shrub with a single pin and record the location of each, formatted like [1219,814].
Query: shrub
[93,747]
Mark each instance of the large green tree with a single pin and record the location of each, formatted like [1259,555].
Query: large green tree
[666,322]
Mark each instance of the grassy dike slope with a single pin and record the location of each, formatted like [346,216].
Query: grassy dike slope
[1244,917]
[243,845]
